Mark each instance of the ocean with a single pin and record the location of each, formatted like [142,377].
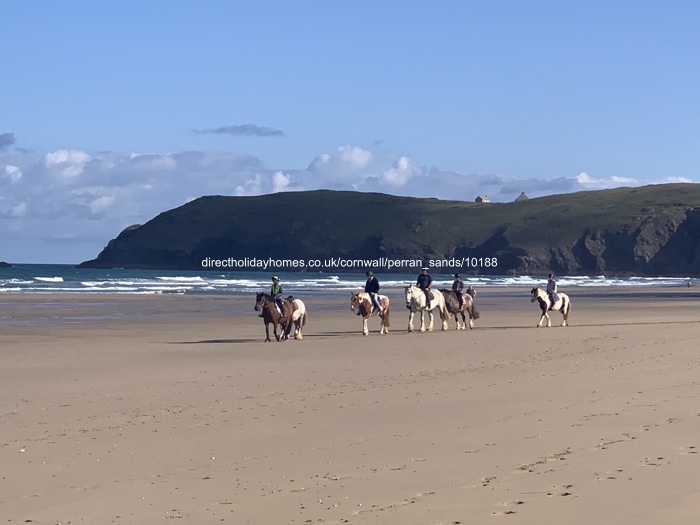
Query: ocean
[66,279]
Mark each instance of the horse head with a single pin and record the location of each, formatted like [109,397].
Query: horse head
[354,300]
[409,296]
[534,294]
[259,301]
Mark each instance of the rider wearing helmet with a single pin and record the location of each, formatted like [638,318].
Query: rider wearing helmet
[424,281]
[372,288]
[552,290]
[458,288]
[276,293]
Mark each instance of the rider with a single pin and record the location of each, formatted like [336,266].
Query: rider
[276,293]
[552,290]
[458,288]
[424,282]
[372,288]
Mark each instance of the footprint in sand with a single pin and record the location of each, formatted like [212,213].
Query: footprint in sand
[652,462]
[563,490]
[688,450]
[610,474]
[508,511]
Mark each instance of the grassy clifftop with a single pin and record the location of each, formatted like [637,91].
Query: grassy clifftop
[651,230]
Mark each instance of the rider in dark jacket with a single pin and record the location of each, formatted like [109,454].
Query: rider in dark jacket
[424,282]
[458,288]
[372,288]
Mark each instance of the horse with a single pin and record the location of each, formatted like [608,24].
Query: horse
[453,307]
[415,302]
[361,303]
[298,319]
[272,315]
[563,304]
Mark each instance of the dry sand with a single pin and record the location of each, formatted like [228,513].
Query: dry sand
[143,410]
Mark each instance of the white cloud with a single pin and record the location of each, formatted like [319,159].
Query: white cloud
[13,173]
[403,171]
[91,198]
[280,181]
[588,182]
[101,203]
[250,187]
[152,162]
[69,164]
[19,210]
[345,163]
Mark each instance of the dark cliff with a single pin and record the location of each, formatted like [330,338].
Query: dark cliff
[653,230]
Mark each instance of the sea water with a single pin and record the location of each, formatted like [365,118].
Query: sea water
[61,279]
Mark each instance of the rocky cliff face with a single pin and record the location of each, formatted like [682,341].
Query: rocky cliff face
[649,231]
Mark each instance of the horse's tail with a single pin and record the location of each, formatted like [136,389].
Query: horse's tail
[303,319]
[471,309]
[566,306]
[386,317]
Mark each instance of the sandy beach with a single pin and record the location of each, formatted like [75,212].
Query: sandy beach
[171,409]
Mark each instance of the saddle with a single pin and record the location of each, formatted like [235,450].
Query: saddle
[552,301]
[372,295]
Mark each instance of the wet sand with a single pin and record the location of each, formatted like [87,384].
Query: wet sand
[147,409]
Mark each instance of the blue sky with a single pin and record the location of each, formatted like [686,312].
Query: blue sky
[111,112]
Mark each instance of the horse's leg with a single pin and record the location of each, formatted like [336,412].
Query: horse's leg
[274,331]
[288,327]
[445,316]
[410,320]
[431,321]
[267,332]
[365,328]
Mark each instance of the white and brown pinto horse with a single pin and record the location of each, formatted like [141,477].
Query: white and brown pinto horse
[361,303]
[298,318]
[563,304]
[415,302]
[295,315]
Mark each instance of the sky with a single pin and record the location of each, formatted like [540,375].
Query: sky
[113,112]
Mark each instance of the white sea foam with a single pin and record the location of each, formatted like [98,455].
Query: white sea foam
[66,279]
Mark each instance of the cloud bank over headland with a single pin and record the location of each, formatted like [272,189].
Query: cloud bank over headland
[73,201]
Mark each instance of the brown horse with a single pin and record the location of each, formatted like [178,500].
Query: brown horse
[453,307]
[271,315]
[361,303]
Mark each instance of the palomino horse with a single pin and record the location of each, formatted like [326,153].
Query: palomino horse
[563,305]
[453,307]
[298,318]
[415,302]
[272,315]
[361,303]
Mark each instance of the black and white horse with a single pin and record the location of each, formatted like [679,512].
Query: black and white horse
[563,304]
